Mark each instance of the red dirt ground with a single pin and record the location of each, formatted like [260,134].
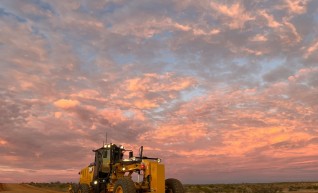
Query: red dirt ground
[23,188]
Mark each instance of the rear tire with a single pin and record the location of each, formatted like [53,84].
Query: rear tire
[124,185]
[173,186]
[83,188]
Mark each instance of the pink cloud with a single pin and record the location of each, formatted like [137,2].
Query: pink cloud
[177,133]
[226,90]
[303,74]
[241,126]
[290,28]
[259,38]
[311,49]
[236,12]
[182,27]
[271,22]
[151,90]
[297,7]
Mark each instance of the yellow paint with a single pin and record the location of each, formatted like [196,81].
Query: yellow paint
[86,175]
[153,171]
[157,176]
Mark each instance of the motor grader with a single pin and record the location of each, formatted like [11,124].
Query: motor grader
[110,172]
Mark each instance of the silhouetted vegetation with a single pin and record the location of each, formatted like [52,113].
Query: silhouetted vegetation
[58,186]
[252,188]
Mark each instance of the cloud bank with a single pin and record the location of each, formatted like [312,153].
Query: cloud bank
[222,91]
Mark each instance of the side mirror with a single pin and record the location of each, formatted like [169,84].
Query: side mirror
[131,154]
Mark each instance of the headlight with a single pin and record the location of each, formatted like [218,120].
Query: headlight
[124,169]
[159,160]
[121,147]
[95,182]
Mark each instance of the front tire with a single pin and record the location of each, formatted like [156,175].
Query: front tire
[74,188]
[173,186]
[124,185]
[83,188]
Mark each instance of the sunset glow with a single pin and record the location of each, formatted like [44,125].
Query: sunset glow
[222,91]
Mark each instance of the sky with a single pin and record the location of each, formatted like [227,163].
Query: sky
[223,91]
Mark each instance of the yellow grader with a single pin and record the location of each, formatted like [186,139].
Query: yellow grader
[111,173]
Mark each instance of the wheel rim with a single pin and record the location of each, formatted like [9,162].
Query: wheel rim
[119,189]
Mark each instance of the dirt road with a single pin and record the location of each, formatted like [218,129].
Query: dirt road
[23,188]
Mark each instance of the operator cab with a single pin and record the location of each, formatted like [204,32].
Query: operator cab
[105,157]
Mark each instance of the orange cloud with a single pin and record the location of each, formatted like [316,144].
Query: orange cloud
[145,104]
[3,142]
[157,83]
[87,94]
[57,114]
[66,103]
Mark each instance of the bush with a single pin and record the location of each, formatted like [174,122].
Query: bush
[293,188]
[234,188]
